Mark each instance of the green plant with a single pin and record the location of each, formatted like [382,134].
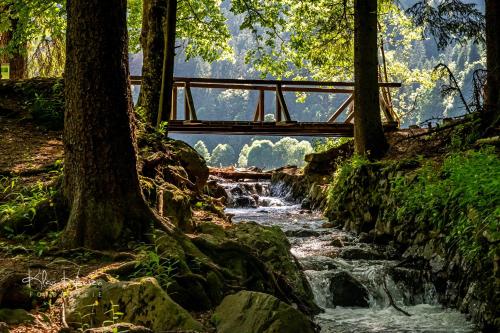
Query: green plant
[154,263]
[47,109]
[115,316]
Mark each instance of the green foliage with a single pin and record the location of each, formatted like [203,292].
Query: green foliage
[47,109]
[20,204]
[202,150]
[39,33]
[460,197]
[201,28]
[329,143]
[154,263]
[223,155]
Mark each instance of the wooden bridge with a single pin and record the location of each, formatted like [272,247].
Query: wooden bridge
[284,124]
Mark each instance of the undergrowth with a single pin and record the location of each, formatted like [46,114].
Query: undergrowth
[458,196]
[47,109]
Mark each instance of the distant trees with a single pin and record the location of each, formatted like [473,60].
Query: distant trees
[202,150]
[222,155]
[268,155]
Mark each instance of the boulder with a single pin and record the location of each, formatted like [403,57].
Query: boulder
[191,161]
[358,253]
[302,233]
[176,205]
[318,263]
[245,201]
[142,302]
[16,316]
[260,258]
[254,312]
[346,290]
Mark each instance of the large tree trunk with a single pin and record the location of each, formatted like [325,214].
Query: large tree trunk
[368,131]
[152,41]
[100,174]
[17,60]
[168,63]
[492,114]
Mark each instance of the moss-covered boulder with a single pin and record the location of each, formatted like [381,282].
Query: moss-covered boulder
[191,161]
[254,312]
[16,316]
[141,302]
[258,258]
[176,205]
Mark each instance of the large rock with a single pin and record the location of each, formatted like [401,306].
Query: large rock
[16,316]
[347,291]
[259,258]
[142,302]
[254,312]
[176,205]
[191,161]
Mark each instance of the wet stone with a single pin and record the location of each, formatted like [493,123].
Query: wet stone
[346,290]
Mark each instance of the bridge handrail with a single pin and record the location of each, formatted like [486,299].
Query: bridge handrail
[192,80]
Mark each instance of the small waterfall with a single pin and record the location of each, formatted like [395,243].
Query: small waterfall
[347,277]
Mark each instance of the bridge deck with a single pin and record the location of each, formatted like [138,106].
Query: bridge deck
[266,128]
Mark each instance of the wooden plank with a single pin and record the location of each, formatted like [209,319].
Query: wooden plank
[341,109]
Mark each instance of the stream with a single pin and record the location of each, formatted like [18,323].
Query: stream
[346,275]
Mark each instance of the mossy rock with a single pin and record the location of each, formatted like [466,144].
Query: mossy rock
[16,316]
[177,206]
[141,302]
[191,161]
[254,312]
[253,252]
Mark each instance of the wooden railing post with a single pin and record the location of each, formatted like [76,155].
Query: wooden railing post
[262,104]
[189,110]
[278,106]
[282,104]
[173,112]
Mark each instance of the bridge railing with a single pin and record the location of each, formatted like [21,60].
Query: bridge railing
[282,115]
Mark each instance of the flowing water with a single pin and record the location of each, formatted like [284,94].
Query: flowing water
[341,269]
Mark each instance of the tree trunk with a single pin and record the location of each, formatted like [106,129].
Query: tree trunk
[17,60]
[168,63]
[153,41]
[492,114]
[368,131]
[101,183]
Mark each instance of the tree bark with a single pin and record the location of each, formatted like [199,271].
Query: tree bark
[168,63]
[492,110]
[101,183]
[153,43]
[16,60]
[368,131]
